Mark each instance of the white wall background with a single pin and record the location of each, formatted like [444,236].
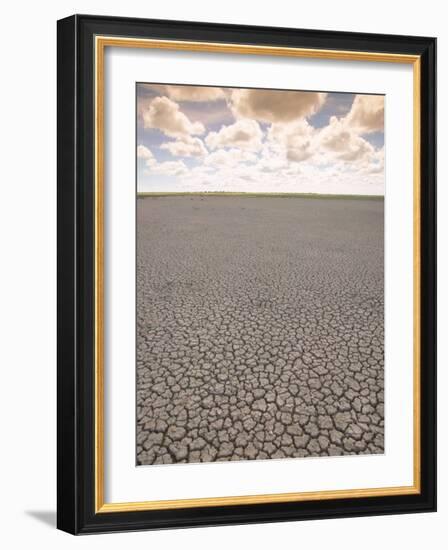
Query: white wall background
[28,273]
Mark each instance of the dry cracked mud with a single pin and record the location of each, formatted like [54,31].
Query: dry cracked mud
[260,330]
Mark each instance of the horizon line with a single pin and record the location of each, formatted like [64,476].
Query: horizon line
[285,194]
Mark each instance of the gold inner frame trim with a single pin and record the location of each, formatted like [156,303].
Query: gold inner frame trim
[101,42]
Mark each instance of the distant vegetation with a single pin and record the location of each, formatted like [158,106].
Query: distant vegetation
[238,194]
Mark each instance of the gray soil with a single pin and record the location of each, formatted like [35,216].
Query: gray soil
[260,330]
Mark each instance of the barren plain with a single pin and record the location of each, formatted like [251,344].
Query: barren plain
[260,327]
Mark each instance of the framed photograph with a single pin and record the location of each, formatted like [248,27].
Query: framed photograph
[246,274]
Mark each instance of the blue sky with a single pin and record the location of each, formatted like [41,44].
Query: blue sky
[198,138]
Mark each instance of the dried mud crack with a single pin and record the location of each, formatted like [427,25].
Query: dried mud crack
[260,329]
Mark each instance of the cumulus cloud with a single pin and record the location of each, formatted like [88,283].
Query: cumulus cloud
[266,141]
[169,168]
[146,154]
[300,152]
[366,114]
[342,140]
[275,105]
[194,93]
[297,138]
[229,157]
[245,134]
[164,114]
[376,166]
[185,147]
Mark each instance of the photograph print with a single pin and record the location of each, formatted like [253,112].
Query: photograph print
[260,274]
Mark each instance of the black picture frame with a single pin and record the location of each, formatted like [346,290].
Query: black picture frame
[76,286]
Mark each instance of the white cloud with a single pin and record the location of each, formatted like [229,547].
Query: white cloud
[165,115]
[146,154]
[272,160]
[245,134]
[340,139]
[194,93]
[229,157]
[289,156]
[297,139]
[366,114]
[184,92]
[376,165]
[169,168]
[275,105]
[185,147]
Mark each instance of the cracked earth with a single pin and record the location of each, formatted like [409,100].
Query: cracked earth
[260,330]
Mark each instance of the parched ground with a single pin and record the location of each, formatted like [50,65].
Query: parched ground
[260,328]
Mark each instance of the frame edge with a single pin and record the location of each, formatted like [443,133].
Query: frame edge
[67,456]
